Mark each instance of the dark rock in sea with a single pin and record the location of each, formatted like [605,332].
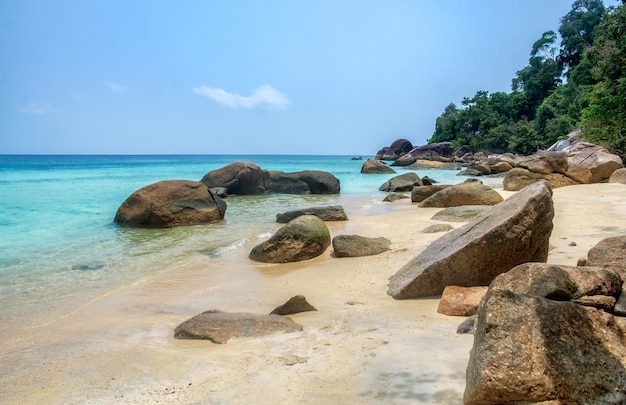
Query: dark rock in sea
[330,213]
[304,182]
[373,166]
[302,238]
[513,232]
[462,213]
[403,182]
[88,267]
[296,304]
[357,158]
[220,327]
[463,194]
[357,246]
[170,203]
[239,178]
[398,148]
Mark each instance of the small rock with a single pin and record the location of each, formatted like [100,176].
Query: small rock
[582,261]
[467,326]
[572,244]
[436,228]
[296,304]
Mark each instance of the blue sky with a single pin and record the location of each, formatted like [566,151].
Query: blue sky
[250,77]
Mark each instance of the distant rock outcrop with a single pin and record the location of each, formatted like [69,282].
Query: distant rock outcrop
[170,203]
[329,213]
[220,327]
[302,238]
[513,232]
[398,148]
[373,166]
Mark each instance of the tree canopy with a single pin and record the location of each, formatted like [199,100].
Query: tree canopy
[577,83]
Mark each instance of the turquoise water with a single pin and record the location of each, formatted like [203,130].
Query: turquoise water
[58,239]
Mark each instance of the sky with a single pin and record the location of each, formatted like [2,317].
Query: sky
[309,77]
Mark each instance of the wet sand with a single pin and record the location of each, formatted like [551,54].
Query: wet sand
[360,347]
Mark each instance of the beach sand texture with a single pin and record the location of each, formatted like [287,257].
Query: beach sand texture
[360,347]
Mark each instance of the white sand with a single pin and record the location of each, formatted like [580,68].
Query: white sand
[361,347]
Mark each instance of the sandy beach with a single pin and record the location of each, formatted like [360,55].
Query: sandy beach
[360,347]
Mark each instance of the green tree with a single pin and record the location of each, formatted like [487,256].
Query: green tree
[577,31]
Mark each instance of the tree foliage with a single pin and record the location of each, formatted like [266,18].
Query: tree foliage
[580,82]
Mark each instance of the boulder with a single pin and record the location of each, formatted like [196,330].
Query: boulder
[513,232]
[398,148]
[295,305]
[611,253]
[518,178]
[170,203]
[420,193]
[460,301]
[373,166]
[304,182]
[442,151]
[543,162]
[357,246]
[560,283]
[220,327]
[533,350]
[302,238]
[239,178]
[618,176]
[597,160]
[463,213]
[329,213]
[403,182]
[483,169]
[436,228]
[469,172]
[463,194]
[501,167]
[429,164]
[393,197]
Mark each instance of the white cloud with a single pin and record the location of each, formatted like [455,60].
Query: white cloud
[116,87]
[37,108]
[264,97]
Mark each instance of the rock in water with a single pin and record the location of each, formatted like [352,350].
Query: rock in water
[170,203]
[530,350]
[303,238]
[403,182]
[304,182]
[239,178]
[330,213]
[513,232]
[373,166]
[220,327]
[356,245]
[296,304]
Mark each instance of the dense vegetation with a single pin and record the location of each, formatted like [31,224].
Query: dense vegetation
[580,83]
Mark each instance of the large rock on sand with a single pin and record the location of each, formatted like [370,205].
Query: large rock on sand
[170,203]
[531,350]
[420,193]
[373,166]
[330,213]
[240,178]
[303,238]
[472,193]
[513,232]
[304,182]
[357,246]
[220,327]
[618,176]
[403,182]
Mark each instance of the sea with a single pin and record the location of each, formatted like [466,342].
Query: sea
[58,241]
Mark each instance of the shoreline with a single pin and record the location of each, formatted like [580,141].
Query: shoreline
[361,346]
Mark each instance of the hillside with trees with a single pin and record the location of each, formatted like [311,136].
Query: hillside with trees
[577,83]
